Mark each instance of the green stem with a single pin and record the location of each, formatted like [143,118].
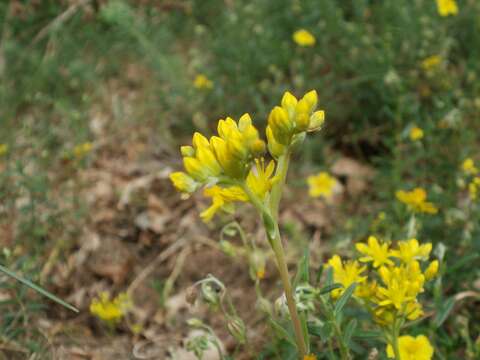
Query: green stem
[276,243]
[276,193]
[344,353]
[395,334]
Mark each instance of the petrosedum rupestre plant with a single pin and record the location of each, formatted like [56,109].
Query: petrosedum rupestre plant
[231,168]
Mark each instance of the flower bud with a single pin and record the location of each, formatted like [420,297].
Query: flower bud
[432,270]
[187,150]
[195,323]
[275,148]
[236,328]
[316,120]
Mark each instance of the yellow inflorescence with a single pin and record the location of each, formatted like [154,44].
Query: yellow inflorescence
[231,166]
[416,200]
[3,149]
[431,62]
[412,348]
[447,7]
[304,38]
[416,133]
[321,185]
[82,150]
[202,82]
[395,279]
[468,167]
[310,357]
[110,310]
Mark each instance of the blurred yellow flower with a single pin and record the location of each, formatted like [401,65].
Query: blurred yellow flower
[310,357]
[447,7]
[416,200]
[432,270]
[81,150]
[412,348]
[473,187]
[411,250]
[415,133]
[373,251]
[304,38]
[431,62]
[110,310]
[321,184]
[202,82]
[346,273]
[3,149]
[468,167]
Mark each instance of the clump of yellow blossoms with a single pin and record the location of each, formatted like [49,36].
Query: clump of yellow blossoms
[110,310]
[390,286]
[3,149]
[304,38]
[202,82]
[431,62]
[416,133]
[321,185]
[82,150]
[412,348]
[231,166]
[310,357]
[447,7]
[416,200]
[470,169]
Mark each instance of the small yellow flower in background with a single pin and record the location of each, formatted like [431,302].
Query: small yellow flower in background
[468,167]
[416,133]
[110,310]
[304,38]
[82,150]
[321,185]
[416,200]
[3,149]
[377,253]
[412,348]
[310,357]
[431,62]
[202,82]
[346,273]
[473,187]
[447,7]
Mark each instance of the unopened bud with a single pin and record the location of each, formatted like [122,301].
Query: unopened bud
[195,323]
[316,120]
[236,328]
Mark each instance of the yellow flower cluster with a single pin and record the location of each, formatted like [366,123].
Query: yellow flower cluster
[82,150]
[321,185]
[447,7]
[395,279]
[202,82]
[416,133]
[470,169]
[431,62]
[110,310]
[304,38]
[412,348]
[230,165]
[416,200]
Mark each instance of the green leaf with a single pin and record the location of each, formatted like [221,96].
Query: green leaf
[443,312]
[328,288]
[303,275]
[283,333]
[344,298]
[323,331]
[368,334]
[37,288]
[349,330]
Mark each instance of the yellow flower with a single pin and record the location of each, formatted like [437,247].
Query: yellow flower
[259,179]
[202,82]
[110,311]
[410,250]
[222,199]
[416,133]
[412,348]
[321,184]
[310,357]
[304,38]
[291,118]
[183,182]
[473,187]
[416,200]
[432,270]
[3,149]
[81,150]
[346,274]
[431,62]
[447,7]
[468,167]
[378,254]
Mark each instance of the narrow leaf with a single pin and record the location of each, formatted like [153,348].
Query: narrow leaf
[444,311]
[349,330]
[326,289]
[283,333]
[37,288]
[344,298]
